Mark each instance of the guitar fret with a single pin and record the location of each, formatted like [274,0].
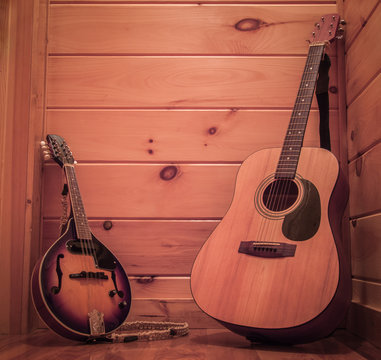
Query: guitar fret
[293,141]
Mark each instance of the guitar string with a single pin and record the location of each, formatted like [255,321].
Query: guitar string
[281,188]
[298,124]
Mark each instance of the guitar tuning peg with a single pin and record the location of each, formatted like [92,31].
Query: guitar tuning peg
[75,162]
[47,156]
[343,22]
[42,143]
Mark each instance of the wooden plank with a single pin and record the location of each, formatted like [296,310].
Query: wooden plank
[177,135]
[364,182]
[138,190]
[367,293]
[171,310]
[191,29]
[363,58]
[160,287]
[356,14]
[363,128]
[176,82]
[147,247]
[365,322]
[307,2]
[365,245]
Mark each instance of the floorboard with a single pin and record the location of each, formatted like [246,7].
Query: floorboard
[200,344]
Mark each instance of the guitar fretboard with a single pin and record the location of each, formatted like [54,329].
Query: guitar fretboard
[289,158]
[80,219]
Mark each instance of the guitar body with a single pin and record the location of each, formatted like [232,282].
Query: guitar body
[68,284]
[277,273]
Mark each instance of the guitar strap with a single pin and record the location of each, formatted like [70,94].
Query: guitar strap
[323,102]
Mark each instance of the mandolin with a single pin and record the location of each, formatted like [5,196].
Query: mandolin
[274,269]
[79,288]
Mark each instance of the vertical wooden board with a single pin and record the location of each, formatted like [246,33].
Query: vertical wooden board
[177,135]
[364,57]
[147,247]
[364,182]
[160,287]
[363,127]
[187,29]
[356,14]
[366,247]
[175,82]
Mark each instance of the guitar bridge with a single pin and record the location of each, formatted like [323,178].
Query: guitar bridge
[267,249]
[96,322]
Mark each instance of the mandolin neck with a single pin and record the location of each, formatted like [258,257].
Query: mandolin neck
[80,219]
[293,142]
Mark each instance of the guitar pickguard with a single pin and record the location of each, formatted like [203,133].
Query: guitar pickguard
[303,223]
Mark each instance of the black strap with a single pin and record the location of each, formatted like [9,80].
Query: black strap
[323,102]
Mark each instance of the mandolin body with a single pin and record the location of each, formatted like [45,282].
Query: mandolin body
[278,275]
[68,284]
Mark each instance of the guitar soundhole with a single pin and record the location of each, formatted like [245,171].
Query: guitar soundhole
[280,194]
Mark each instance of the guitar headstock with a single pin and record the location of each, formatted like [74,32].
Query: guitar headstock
[327,29]
[59,150]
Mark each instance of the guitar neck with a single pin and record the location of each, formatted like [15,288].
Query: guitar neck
[289,158]
[80,219]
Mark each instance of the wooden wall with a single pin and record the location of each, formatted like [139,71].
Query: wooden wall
[22,71]
[160,102]
[363,65]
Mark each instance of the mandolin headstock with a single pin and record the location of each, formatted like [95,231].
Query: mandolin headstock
[327,29]
[59,150]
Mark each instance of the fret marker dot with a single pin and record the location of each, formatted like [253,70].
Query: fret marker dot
[306,85]
[302,100]
[310,68]
[290,148]
[299,114]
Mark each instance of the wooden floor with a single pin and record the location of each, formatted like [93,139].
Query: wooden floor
[199,344]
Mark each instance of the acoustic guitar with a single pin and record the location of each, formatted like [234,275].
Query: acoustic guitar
[79,288]
[274,269]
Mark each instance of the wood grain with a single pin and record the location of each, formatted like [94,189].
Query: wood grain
[366,249]
[366,322]
[245,290]
[202,344]
[177,135]
[360,69]
[356,14]
[146,247]
[363,129]
[138,191]
[367,293]
[175,82]
[364,181]
[173,29]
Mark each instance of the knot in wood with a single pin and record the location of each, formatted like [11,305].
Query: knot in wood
[107,225]
[212,130]
[168,173]
[248,24]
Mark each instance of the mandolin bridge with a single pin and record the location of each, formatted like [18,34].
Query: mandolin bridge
[267,249]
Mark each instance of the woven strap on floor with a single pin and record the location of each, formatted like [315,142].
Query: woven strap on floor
[148,330]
